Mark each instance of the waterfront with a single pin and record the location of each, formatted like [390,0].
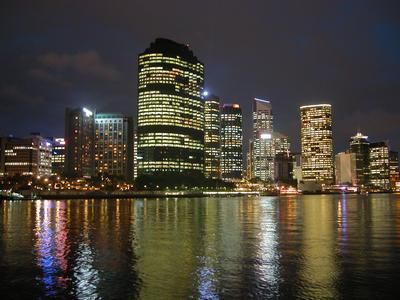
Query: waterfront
[314,246]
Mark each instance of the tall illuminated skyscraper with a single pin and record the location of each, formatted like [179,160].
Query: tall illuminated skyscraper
[359,145]
[79,142]
[170,110]
[316,143]
[212,137]
[379,166]
[58,156]
[231,143]
[114,145]
[263,146]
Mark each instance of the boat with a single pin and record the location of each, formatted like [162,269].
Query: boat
[10,195]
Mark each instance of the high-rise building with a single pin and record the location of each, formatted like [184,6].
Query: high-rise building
[316,143]
[29,156]
[379,169]
[170,110]
[212,137]
[114,145]
[359,145]
[263,150]
[345,168]
[394,176]
[231,143]
[135,160]
[58,156]
[79,140]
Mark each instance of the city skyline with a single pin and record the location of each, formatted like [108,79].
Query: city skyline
[282,59]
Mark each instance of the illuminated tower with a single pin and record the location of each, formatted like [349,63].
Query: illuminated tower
[379,166]
[58,156]
[79,142]
[316,143]
[212,137]
[263,148]
[359,145]
[170,110]
[231,143]
[114,145]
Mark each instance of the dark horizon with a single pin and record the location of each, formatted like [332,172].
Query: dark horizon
[68,54]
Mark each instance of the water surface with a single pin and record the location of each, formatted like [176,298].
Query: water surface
[314,246]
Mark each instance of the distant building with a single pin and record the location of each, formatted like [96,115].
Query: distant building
[212,137]
[114,145]
[29,156]
[316,143]
[359,145]
[231,143]
[345,168]
[80,140]
[58,156]
[263,142]
[284,168]
[379,169]
[297,173]
[170,110]
[135,158]
[394,176]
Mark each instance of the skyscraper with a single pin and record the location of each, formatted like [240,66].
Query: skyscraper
[212,137]
[79,140]
[345,168]
[231,143]
[394,173]
[170,110]
[263,143]
[359,145]
[379,169]
[114,145]
[316,143]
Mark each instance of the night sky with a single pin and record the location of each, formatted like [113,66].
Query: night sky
[56,54]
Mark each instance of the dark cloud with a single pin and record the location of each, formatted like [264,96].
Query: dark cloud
[85,63]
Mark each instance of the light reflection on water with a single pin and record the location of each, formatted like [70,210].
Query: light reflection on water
[210,248]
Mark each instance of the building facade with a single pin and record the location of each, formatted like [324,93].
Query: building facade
[231,143]
[212,137]
[379,170]
[170,110]
[359,145]
[345,168]
[316,143]
[58,156]
[80,141]
[114,145]
[29,156]
[394,175]
[263,149]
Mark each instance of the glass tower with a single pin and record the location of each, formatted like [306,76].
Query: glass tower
[212,137]
[231,143]
[316,143]
[359,145]
[170,110]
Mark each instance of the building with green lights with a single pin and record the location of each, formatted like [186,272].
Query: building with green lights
[170,110]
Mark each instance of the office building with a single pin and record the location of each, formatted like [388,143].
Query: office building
[170,124]
[316,143]
[29,156]
[263,149]
[379,169]
[345,168]
[394,176]
[231,143]
[359,145]
[212,137]
[114,145]
[58,156]
[79,140]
